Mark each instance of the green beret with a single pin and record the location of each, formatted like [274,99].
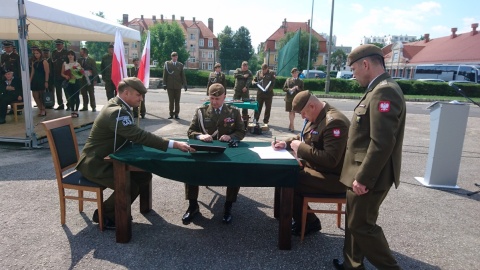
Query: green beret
[363,51]
[300,101]
[174,54]
[216,90]
[136,84]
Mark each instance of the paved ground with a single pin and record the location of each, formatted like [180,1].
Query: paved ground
[426,228]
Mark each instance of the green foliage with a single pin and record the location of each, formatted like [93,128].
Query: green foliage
[97,50]
[303,49]
[166,38]
[339,59]
[235,47]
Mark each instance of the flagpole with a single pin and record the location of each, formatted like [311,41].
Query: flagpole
[310,41]
[327,81]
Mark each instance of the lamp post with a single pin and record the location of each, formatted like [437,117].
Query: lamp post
[310,41]
[327,81]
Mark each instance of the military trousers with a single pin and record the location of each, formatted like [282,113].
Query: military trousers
[191,193]
[363,237]
[88,94]
[142,108]
[240,95]
[263,98]
[110,89]
[138,180]
[310,181]
[174,101]
[59,91]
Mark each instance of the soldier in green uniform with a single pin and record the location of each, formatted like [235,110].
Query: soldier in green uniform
[10,91]
[106,70]
[265,81]
[372,160]
[216,121]
[321,147]
[59,56]
[10,60]
[243,79]
[89,80]
[292,87]
[51,86]
[217,76]
[114,128]
[133,72]
[173,81]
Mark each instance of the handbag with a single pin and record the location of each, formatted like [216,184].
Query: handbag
[48,99]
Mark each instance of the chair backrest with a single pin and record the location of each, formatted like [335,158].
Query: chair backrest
[63,144]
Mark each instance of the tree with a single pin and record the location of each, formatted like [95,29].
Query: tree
[235,47]
[243,44]
[339,59]
[303,49]
[225,38]
[166,38]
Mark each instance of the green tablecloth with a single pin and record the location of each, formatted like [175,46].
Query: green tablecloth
[235,167]
[251,105]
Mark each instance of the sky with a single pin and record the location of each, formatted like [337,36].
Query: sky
[352,19]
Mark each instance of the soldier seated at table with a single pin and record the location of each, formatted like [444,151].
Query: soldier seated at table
[215,121]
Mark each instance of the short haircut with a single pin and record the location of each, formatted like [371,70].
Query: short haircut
[244,63]
[85,50]
[264,66]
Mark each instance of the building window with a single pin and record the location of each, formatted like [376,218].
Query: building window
[275,57]
[210,43]
[210,66]
[204,65]
[204,55]
[134,45]
[192,47]
[191,60]
[276,45]
[192,36]
[210,55]
[201,42]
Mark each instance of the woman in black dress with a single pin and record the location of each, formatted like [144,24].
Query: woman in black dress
[72,71]
[39,80]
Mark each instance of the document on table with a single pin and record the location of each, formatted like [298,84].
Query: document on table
[268,152]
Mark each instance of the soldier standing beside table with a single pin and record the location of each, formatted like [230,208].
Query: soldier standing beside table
[292,87]
[173,81]
[243,79]
[217,76]
[265,81]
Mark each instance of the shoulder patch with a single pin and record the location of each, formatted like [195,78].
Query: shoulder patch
[126,121]
[336,132]
[384,106]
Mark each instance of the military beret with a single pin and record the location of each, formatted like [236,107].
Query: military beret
[217,65]
[216,90]
[58,41]
[300,101]
[136,84]
[174,54]
[7,43]
[363,51]
[294,70]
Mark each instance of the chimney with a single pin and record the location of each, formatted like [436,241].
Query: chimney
[161,18]
[210,24]
[284,25]
[141,17]
[193,19]
[173,18]
[474,29]
[426,37]
[182,19]
[454,35]
[308,25]
[125,19]
[154,19]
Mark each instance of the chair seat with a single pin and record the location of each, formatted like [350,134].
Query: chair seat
[76,178]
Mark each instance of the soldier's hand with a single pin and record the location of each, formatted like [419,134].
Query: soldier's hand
[183,146]
[205,138]
[244,89]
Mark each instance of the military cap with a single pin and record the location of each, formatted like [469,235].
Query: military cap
[174,54]
[7,43]
[216,90]
[58,41]
[217,65]
[46,50]
[8,71]
[300,101]
[294,70]
[136,84]
[34,47]
[363,51]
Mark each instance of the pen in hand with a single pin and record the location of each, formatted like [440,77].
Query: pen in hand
[274,141]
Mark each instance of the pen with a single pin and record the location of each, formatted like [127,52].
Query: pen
[274,141]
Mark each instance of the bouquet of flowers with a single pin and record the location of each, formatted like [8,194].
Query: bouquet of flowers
[76,72]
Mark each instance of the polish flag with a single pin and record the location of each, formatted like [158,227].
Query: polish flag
[144,69]
[119,67]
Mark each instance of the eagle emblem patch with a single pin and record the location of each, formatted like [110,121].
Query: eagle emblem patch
[384,106]
[336,132]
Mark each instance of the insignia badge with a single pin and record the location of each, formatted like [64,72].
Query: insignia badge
[384,106]
[314,132]
[336,132]
[126,121]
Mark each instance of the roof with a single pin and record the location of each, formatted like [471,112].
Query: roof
[293,27]
[205,32]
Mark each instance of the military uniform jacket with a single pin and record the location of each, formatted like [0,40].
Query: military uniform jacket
[264,80]
[113,128]
[240,80]
[374,149]
[16,83]
[324,141]
[289,84]
[88,63]
[174,76]
[106,67]
[133,72]
[10,62]
[58,57]
[206,121]
[215,77]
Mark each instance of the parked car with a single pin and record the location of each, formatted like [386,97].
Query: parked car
[314,74]
[344,75]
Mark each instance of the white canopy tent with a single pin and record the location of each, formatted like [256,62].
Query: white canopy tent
[27,19]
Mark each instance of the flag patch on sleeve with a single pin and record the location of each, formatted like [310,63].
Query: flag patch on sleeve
[336,132]
[384,106]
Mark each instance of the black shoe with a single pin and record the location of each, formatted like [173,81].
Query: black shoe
[84,109]
[191,212]
[95,216]
[143,116]
[171,117]
[295,225]
[109,224]
[94,110]
[337,264]
[227,213]
[311,227]
[59,108]
[49,107]
[135,115]
[2,121]
[67,109]
[176,116]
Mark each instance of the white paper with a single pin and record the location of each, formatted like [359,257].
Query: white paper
[268,152]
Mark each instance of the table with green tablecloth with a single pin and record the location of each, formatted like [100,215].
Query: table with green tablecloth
[234,167]
[251,105]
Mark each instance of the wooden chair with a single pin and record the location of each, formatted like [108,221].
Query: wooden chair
[64,148]
[338,199]
[17,106]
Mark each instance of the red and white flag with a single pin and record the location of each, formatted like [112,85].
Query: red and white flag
[119,66]
[144,69]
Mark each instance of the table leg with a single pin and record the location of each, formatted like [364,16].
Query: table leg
[146,198]
[276,203]
[285,224]
[123,222]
